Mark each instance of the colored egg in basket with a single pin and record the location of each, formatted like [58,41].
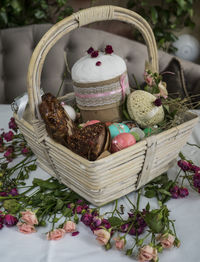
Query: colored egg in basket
[118,128]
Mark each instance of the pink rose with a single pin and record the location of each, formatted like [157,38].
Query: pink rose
[56,234]
[147,253]
[103,236]
[69,226]
[29,217]
[166,240]
[25,228]
[119,243]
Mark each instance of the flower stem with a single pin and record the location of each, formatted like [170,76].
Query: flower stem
[138,199]
[130,201]
[193,145]
[177,176]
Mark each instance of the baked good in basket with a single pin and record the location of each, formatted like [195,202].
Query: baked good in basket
[100,84]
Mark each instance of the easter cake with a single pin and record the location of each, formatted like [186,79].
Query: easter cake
[100,84]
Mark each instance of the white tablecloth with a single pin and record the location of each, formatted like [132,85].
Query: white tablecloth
[15,246]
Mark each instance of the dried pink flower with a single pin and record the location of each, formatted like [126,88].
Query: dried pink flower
[103,236]
[75,233]
[119,243]
[29,217]
[13,192]
[12,124]
[25,228]
[9,153]
[25,150]
[69,226]
[147,253]
[149,79]
[183,192]
[8,136]
[184,165]
[56,234]
[158,102]
[10,220]
[166,240]
[174,192]
[87,218]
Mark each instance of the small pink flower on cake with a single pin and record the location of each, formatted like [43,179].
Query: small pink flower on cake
[98,63]
[90,50]
[109,49]
[94,54]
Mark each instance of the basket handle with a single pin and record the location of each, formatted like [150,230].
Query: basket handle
[83,17]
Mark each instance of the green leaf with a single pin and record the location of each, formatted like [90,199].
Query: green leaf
[166,107]
[55,220]
[67,212]
[150,193]
[160,179]
[154,220]
[12,206]
[191,12]
[115,221]
[182,156]
[47,184]
[165,192]
[182,3]
[4,17]
[61,2]
[147,208]
[4,166]
[39,14]
[32,167]
[59,205]
[154,15]
[16,5]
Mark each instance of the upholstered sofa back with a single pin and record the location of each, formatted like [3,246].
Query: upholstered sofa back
[17,45]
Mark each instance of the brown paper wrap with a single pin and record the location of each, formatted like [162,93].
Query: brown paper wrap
[112,112]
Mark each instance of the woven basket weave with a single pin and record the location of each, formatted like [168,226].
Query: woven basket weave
[118,174]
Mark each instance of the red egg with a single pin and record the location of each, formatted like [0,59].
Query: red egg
[122,141]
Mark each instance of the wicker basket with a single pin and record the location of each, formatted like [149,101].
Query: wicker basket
[118,174]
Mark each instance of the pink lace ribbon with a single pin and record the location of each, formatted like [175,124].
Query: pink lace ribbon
[123,83]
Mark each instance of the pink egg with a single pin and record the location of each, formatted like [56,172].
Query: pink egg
[91,122]
[122,141]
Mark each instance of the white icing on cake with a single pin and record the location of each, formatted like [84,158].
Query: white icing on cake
[85,69]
